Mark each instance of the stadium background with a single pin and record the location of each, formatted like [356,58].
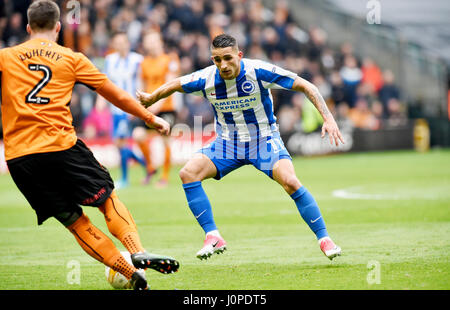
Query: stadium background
[378,79]
[387,85]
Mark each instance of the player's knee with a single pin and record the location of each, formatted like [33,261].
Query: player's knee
[67,218]
[290,183]
[185,175]
[139,134]
[188,175]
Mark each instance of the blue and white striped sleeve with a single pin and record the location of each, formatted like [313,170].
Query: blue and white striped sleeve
[194,83]
[275,77]
[106,65]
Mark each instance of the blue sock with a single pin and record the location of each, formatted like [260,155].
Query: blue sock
[200,206]
[124,156]
[140,160]
[310,212]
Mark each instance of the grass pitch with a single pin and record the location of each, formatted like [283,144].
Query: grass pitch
[390,213]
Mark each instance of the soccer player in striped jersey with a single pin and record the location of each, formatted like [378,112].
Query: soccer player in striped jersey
[247,133]
[122,68]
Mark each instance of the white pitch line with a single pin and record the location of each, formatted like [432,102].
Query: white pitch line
[357,192]
[350,193]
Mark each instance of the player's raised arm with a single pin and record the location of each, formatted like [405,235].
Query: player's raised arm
[125,102]
[313,94]
[89,75]
[162,92]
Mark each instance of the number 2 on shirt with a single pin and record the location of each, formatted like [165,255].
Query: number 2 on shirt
[32,97]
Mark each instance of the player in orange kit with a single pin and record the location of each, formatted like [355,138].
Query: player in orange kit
[157,68]
[53,169]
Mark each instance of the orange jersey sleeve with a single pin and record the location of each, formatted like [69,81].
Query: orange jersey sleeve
[121,99]
[38,77]
[88,74]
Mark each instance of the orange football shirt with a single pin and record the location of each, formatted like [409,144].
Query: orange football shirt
[154,74]
[37,79]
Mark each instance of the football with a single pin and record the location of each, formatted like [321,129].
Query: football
[118,280]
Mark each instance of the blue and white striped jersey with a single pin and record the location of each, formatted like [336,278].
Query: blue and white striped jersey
[243,106]
[124,73]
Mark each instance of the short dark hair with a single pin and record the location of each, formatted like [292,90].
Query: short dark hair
[119,33]
[43,15]
[223,40]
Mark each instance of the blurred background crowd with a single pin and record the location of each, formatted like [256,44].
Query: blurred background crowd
[359,92]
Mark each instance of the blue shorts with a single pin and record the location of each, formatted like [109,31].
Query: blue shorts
[262,152]
[121,126]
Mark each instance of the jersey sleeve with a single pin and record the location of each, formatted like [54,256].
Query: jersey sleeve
[106,65]
[275,77]
[1,69]
[1,60]
[87,73]
[194,83]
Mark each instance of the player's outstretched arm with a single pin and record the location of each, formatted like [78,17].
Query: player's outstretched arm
[162,92]
[313,94]
[125,102]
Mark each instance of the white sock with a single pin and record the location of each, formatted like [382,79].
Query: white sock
[214,233]
[320,240]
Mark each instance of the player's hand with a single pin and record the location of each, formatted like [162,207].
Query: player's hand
[160,125]
[334,134]
[146,99]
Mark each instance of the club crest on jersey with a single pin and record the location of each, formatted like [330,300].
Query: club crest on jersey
[248,87]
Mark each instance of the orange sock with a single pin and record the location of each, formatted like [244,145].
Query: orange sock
[121,224]
[99,246]
[166,167]
[145,149]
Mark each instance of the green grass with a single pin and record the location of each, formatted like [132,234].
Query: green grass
[399,217]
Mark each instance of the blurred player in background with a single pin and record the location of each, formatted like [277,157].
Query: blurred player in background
[157,68]
[122,69]
[247,133]
[54,170]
